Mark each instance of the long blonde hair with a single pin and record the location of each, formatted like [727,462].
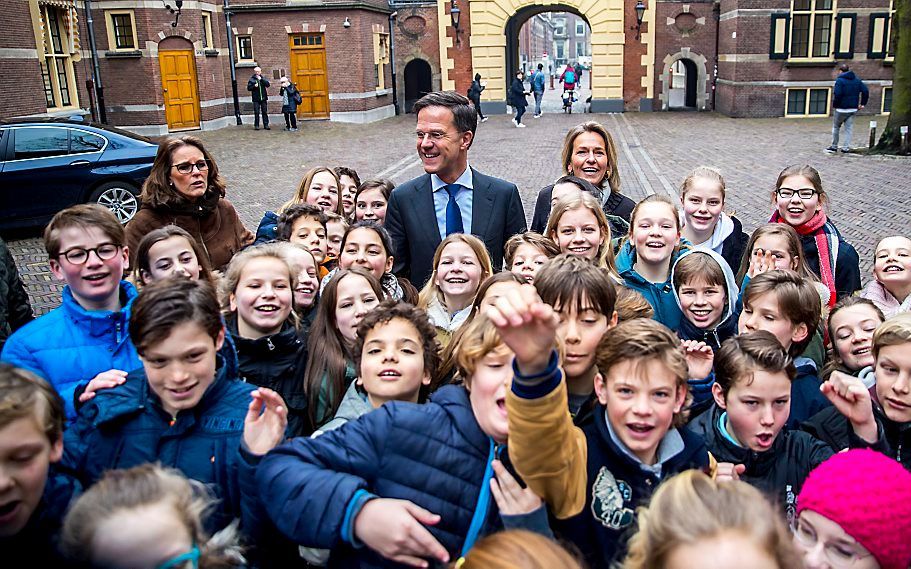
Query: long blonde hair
[431,291]
[605,258]
[691,506]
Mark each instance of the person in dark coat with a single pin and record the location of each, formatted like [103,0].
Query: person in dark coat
[15,310]
[589,152]
[291,98]
[517,94]
[474,94]
[848,98]
[257,86]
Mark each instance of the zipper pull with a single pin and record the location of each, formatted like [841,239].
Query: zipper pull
[270,344]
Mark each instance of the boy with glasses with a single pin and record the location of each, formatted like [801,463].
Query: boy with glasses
[82,345]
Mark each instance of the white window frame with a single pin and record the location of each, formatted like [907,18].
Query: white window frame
[237,40]
[580,28]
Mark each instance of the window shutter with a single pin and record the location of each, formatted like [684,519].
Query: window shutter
[779,36]
[844,35]
[879,26]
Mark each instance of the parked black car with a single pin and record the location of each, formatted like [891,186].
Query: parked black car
[47,165]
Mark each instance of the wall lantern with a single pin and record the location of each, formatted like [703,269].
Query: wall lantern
[176,10]
[456,16]
[640,12]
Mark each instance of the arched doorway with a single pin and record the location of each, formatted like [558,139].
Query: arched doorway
[417,81]
[179,86]
[683,82]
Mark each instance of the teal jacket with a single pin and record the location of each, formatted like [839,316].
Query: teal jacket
[659,295]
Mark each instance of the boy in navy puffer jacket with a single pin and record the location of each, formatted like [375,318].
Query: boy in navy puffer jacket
[411,482]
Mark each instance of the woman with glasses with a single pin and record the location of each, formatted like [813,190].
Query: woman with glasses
[185,189]
[854,511]
[801,202]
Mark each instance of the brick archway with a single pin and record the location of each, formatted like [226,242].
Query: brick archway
[489,20]
[702,78]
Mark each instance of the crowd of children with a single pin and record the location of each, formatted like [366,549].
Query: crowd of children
[642,387]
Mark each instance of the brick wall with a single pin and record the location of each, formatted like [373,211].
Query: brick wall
[680,26]
[416,37]
[461,72]
[633,50]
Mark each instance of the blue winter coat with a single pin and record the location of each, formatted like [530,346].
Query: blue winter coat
[70,345]
[850,92]
[434,455]
[659,295]
[125,426]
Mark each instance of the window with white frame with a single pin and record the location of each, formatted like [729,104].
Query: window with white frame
[813,102]
[580,48]
[811,29]
[580,28]
[244,47]
[121,27]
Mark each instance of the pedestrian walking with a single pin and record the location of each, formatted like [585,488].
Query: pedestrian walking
[257,86]
[517,94]
[474,94]
[850,95]
[291,98]
[537,87]
[579,69]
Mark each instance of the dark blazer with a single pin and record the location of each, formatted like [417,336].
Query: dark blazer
[411,220]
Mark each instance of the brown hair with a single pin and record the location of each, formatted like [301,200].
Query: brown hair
[692,506]
[655,198]
[340,171]
[157,191]
[893,332]
[517,549]
[706,172]
[389,310]
[795,249]
[479,339]
[613,171]
[382,184]
[808,172]
[642,340]
[465,116]
[143,262]
[24,394]
[545,245]
[83,216]
[569,281]
[140,487]
[294,212]
[699,266]
[162,306]
[300,195]
[431,290]
[631,304]
[744,354]
[328,349]
[797,300]
[586,201]
[835,363]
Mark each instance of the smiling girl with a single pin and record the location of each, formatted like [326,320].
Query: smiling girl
[705,224]
[460,264]
[371,200]
[852,322]
[646,257]
[579,227]
[170,251]
[890,289]
[319,187]
[801,202]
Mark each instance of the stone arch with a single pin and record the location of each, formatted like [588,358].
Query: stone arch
[702,78]
[417,76]
[488,41]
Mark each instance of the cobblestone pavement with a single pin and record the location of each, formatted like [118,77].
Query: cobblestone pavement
[869,195]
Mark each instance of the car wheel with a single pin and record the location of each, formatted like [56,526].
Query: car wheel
[121,198]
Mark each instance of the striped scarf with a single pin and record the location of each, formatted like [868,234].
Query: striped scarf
[826,238]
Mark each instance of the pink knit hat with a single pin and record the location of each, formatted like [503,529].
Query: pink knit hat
[869,495]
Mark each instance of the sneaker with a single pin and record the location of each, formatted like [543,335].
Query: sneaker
[484,119]
[294,129]
[845,150]
[832,149]
[267,128]
[255,128]
[536,116]
[514,121]
[520,125]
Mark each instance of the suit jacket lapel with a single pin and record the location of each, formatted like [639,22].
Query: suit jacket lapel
[427,212]
[482,204]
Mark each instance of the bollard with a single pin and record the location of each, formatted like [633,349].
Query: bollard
[872,134]
[905,140]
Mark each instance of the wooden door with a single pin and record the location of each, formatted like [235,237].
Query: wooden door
[308,71]
[181,94]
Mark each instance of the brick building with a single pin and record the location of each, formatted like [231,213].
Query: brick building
[357,60]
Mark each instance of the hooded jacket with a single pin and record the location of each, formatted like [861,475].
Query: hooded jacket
[70,345]
[850,92]
[277,362]
[884,300]
[434,455]
[727,326]
[728,240]
[659,295]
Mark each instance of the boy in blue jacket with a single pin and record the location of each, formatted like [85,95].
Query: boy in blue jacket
[408,484]
[84,343]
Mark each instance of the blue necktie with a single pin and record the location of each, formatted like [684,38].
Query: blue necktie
[453,213]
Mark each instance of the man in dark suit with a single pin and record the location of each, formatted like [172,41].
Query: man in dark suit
[450,197]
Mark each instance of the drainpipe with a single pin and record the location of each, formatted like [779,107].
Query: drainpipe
[395,98]
[96,70]
[230,32]
[716,12]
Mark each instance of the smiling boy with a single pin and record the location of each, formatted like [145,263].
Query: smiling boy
[85,341]
[305,225]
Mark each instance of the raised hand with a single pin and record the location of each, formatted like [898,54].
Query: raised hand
[104,380]
[528,326]
[699,358]
[395,529]
[852,399]
[760,262]
[266,421]
[511,498]
[728,472]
